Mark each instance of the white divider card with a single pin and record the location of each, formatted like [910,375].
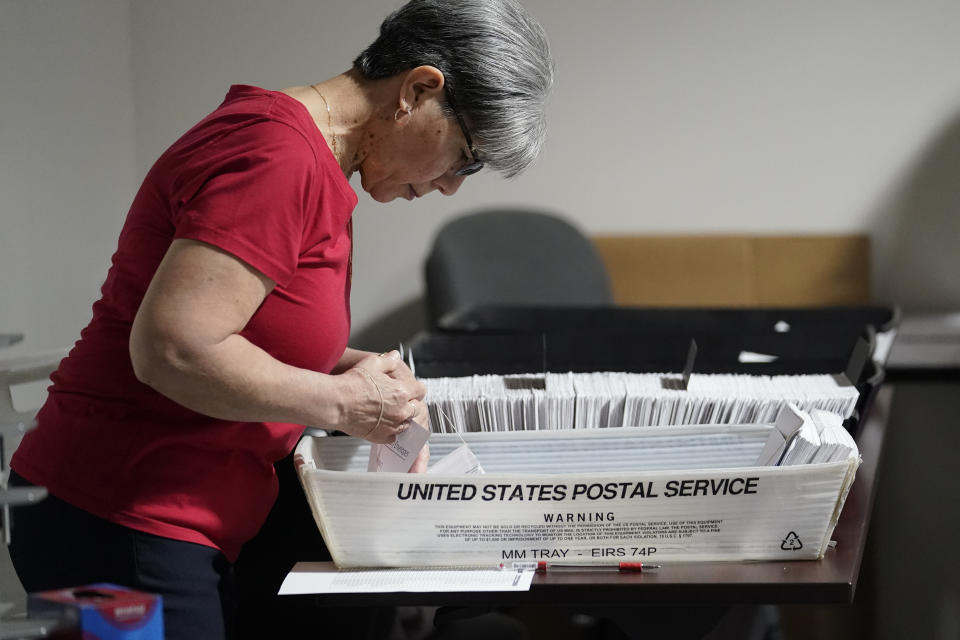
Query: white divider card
[399,455]
[534,402]
[787,425]
[803,445]
[802,438]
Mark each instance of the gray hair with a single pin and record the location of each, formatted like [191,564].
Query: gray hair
[495,59]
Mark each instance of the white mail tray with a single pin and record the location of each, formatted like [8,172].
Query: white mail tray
[657,494]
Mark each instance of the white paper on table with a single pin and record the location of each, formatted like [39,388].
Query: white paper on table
[324,577]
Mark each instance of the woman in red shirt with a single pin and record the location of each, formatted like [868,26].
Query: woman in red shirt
[223,322]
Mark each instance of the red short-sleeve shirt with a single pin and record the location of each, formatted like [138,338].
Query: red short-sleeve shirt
[256,179]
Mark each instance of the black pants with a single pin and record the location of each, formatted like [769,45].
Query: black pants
[290,535]
[56,545]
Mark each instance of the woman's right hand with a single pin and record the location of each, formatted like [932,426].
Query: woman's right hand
[382,397]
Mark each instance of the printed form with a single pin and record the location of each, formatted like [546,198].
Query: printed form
[324,577]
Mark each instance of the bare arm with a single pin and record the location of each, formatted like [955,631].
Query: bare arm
[350,359]
[185,343]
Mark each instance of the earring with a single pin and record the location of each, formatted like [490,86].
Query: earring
[403,109]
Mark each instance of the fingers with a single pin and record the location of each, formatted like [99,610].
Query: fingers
[395,361]
[384,363]
[387,398]
[423,458]
[390,364]
[411,413]
[422,415]
[413,409]
[391,426]
[412,405]
[396,374]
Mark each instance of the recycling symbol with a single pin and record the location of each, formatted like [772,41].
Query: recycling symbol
[791,542]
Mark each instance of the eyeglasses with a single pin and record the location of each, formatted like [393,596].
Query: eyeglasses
[476,164]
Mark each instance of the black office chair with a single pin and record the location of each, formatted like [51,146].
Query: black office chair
[513,257]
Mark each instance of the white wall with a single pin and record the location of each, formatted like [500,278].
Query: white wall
[741,116]
[67,168]
[67,172]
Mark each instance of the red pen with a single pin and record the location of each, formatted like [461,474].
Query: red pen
[543,566]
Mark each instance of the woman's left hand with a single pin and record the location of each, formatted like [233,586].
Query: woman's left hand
[422,417]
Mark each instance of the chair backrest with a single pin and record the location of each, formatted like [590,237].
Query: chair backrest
[506,257]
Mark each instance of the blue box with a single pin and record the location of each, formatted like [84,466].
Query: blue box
[100,611]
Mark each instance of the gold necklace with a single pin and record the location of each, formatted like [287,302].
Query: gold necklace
[333,135]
